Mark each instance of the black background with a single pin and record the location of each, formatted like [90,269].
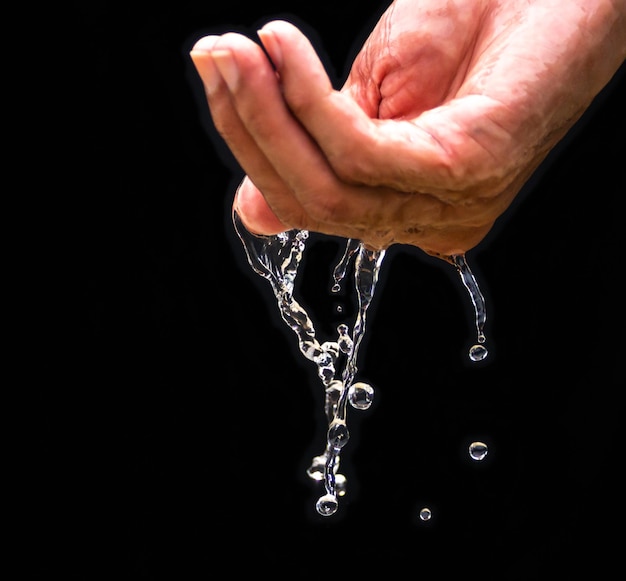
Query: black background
[172,417]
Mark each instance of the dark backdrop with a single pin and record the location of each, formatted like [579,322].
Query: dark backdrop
[172,417]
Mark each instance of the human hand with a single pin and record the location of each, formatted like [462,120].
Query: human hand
[447,111]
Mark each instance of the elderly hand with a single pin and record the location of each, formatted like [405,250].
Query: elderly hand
[447,111]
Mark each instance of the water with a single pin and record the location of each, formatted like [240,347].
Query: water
[479,351]
[478,450]
[277,258]
[426,514]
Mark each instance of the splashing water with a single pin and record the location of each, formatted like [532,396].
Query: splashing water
[277,258]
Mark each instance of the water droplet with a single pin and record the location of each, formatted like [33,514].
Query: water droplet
[425,514]
[478,352]
[338,435]
[327,505]
[478,450]
[360,395]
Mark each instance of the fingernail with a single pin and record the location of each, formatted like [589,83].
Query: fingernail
[272,46]
[205,44]
[201,56]
[225,62]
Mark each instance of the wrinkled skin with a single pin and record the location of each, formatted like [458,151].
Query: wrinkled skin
[448,109]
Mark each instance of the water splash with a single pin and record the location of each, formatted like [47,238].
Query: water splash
[277,258]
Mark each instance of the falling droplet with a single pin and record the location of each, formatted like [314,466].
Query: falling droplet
[478,352]
[425,514]
[360,395]
[478,450]
[327,505]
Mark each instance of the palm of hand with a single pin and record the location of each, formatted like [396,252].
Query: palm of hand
[447,111]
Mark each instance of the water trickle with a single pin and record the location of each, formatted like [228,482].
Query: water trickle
[477,352]
[277,258]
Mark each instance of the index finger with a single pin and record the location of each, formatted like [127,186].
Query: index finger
[398,154]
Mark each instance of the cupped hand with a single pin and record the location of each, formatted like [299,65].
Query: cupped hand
[447,111]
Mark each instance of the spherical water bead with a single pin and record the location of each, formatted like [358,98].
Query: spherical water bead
[478,450]
[426,514]
[360,395]
[327,505]
[338,435]
[478,352]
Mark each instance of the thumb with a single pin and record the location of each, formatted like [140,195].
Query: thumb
[256,215]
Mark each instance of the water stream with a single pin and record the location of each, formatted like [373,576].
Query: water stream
[277,258]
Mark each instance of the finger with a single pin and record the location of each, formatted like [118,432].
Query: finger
[401,154]
[268,141]
[311,197]
[254,211]
[208,55]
